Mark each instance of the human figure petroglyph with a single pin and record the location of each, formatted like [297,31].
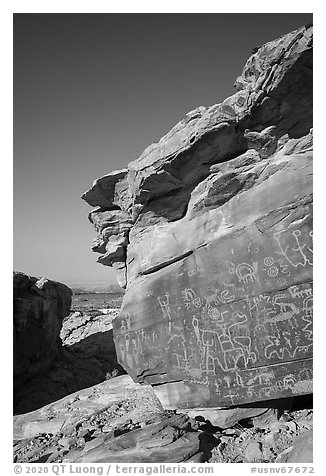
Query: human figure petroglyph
[121,350]
[245,272]
[195,324]
[165,308]
[209,343]
[295,247]
[128,321]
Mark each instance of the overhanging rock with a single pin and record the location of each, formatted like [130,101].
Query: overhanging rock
[210,231]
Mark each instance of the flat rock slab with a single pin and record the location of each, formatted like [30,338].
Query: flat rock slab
[169,440]
[301,450]
[63,415]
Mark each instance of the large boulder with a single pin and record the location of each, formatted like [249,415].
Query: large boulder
[39,307]
[83,354]
[210,232]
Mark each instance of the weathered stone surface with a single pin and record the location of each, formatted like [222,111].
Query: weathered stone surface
[215,242]
[39,307]
[169,440]
[86,356]
[69,411]
[115,421]
[78,326]
[300,452]
[123,421]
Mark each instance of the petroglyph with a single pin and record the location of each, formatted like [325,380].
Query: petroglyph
[297,291]
[189,298]
[295,246]
[261,378]
[308,313]
[271,269]
[280,345]
[165,308]
[306,374]
[268,261]
[219,296]
[225,332]
[126,322]
[245,272]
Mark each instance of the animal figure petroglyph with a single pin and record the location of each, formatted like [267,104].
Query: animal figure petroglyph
[308,313]
[189,297]
[261,378]
[296,291]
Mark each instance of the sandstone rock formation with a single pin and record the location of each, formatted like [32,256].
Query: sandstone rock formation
[122,421]
[85,356]
[210,232]
[39,307]
[115,421]
[57,352]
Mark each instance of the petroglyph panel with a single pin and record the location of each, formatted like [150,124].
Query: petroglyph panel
[235,316]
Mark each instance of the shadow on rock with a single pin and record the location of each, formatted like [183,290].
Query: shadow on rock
[77,366]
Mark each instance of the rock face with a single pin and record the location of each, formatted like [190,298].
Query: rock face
[40,305]
[210,231]
[85,356]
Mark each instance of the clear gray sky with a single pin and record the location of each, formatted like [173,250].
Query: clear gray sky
[91,92]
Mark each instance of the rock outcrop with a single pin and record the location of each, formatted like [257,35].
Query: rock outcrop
[86,356]
[39,307]
[122,421]
[57,352]
[210,232]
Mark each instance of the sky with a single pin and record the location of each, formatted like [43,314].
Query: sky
[91,92]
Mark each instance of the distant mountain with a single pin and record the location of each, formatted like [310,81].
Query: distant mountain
[96,288]
[79,291]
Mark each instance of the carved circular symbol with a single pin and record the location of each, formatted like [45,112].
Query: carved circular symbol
[268,261]
[272,272]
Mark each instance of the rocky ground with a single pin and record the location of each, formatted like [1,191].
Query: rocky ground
[121,421]
[91,301]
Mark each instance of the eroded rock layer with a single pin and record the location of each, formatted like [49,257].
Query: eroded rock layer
[210,231]
[39,308]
